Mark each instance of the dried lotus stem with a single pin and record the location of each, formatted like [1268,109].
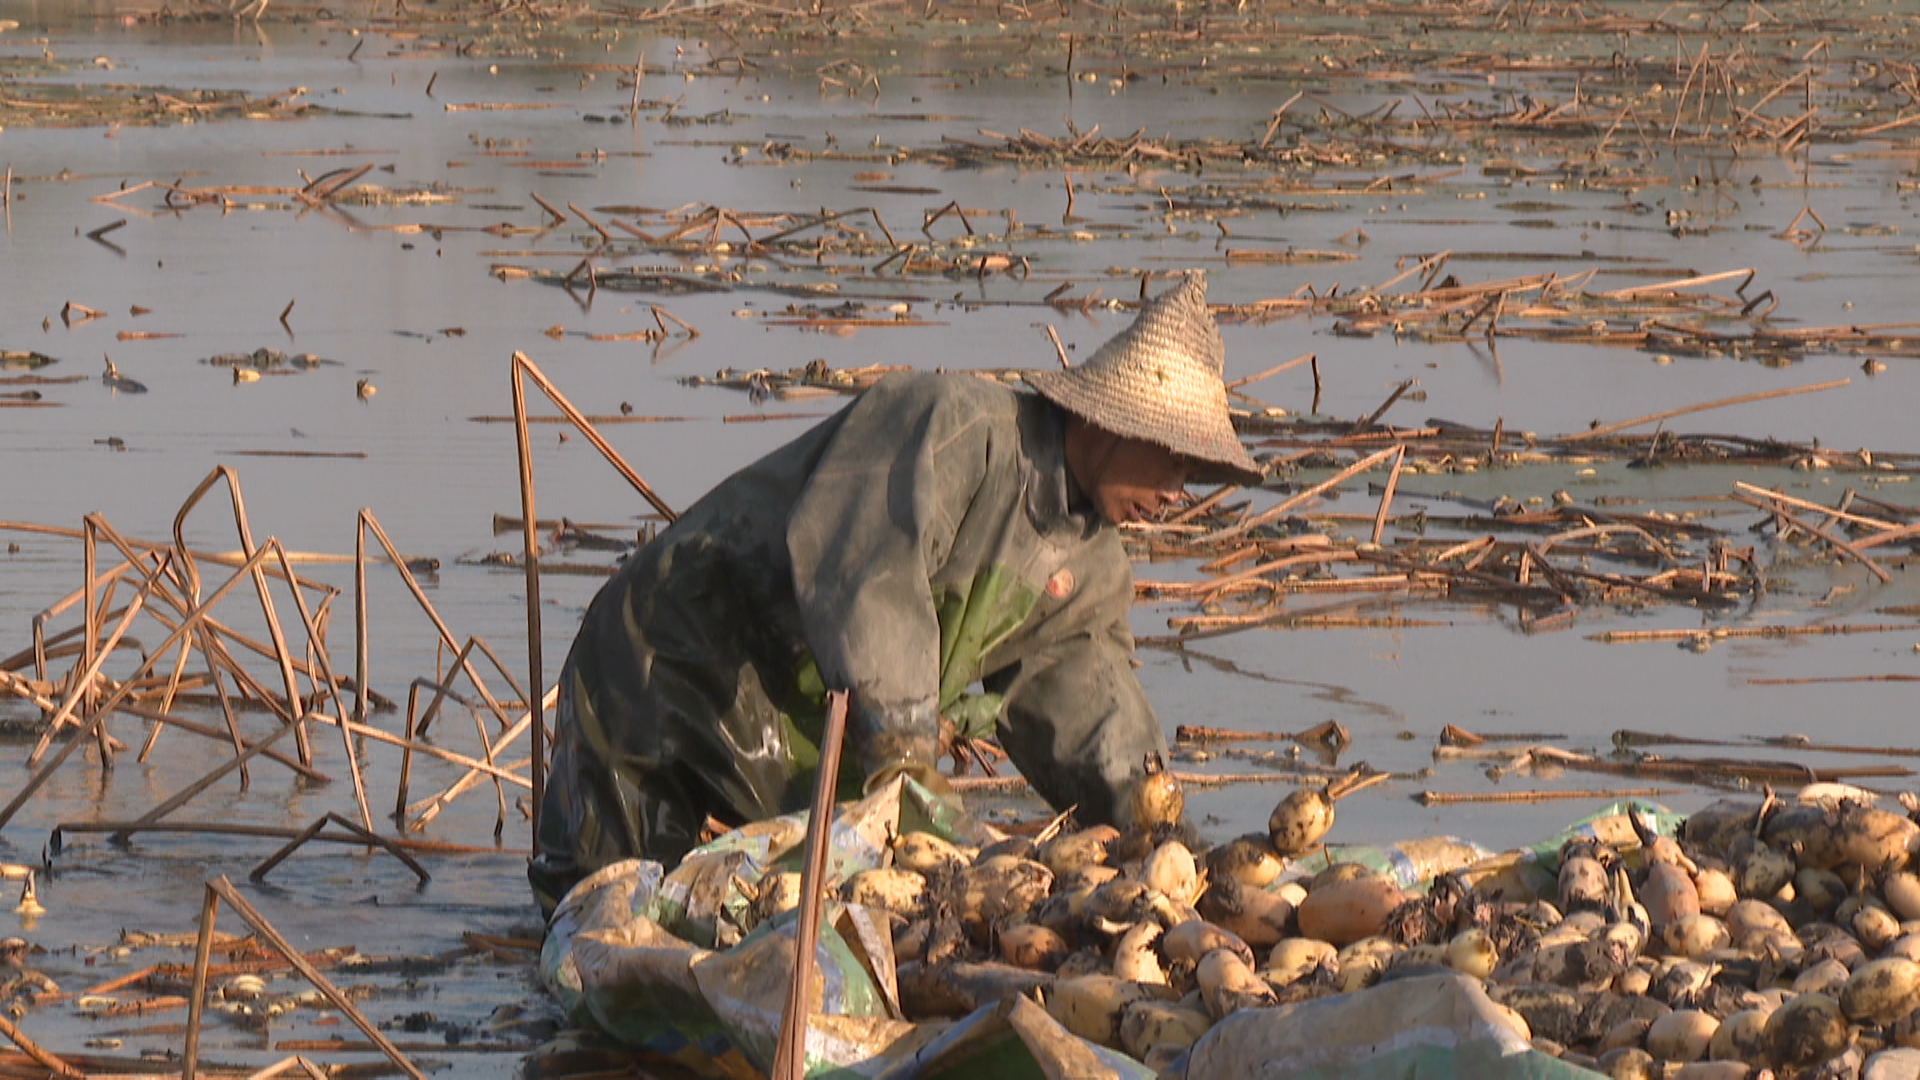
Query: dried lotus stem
[790,1058]
[33,1050]
[1669,414]
[1353,783]
[1456,798]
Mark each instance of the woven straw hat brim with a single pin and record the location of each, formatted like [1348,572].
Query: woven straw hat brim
[1164,419]
[1159,380]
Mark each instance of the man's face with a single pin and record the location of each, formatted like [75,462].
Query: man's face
[1129,479]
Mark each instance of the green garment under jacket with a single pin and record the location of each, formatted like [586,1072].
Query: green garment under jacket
[923,540]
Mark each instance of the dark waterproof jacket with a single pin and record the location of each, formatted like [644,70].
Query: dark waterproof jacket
[923,540]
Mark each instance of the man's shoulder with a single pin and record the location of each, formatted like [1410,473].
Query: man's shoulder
[945,390]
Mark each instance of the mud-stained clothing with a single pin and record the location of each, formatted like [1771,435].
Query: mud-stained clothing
[925,539]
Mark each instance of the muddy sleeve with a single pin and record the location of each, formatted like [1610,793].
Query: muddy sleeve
[874,523]
[1077,722]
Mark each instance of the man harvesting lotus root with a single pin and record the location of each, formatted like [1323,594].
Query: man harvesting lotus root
[938,532]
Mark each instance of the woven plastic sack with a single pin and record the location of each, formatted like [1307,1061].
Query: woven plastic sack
[1413,864]
[1013,1039]
[1532,872]
[629,949]
[1440,1025]
[702,899]
[608,899]
[1610,825]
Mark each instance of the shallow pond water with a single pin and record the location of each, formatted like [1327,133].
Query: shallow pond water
[425,301]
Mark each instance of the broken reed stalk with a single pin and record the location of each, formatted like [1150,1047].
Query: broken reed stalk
[38,652]
[1625,637]
[266,865]
[241,747]
[1457,798]
[90,616]
[1272,371]
[1218,496]
[286,1064]
[1817,681]
[1386,496]
[197,996]
[487,746]
[1666,553]
[662,317]
[1741,399]
[1200,627]
[1804,504]
[39,778]
[1453,735]
[41,1057]
[426,810]
[1692,770]
[226,559]
[790,1058]
[220,693]
[429,749]
[317,643]
[1375,415]
[187,794]
[217,656]
[82,688]
[1211,590]
[1746,275]
[523,367]
[121,982]
[416,721]
[1275,512]
[1192,781]
[144,1006]
[1328,732]
[1198,733]
[1431,261]
[1809,527]
[437,803]
[558,217]
[530,548]
[1904,532]
[368,522]
[269,832]
[213,651]
[605,236]
[239,506]
[1627,738]
[1059,349]
[222,889]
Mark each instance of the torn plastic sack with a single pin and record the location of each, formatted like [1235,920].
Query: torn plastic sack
[1412,864]
[1531,873]
[629,949]
[1437,1025]
[1013,1040]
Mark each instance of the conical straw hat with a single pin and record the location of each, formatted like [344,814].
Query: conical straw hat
[1159,380]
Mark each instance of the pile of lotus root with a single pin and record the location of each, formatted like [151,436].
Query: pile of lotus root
[1769,936]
